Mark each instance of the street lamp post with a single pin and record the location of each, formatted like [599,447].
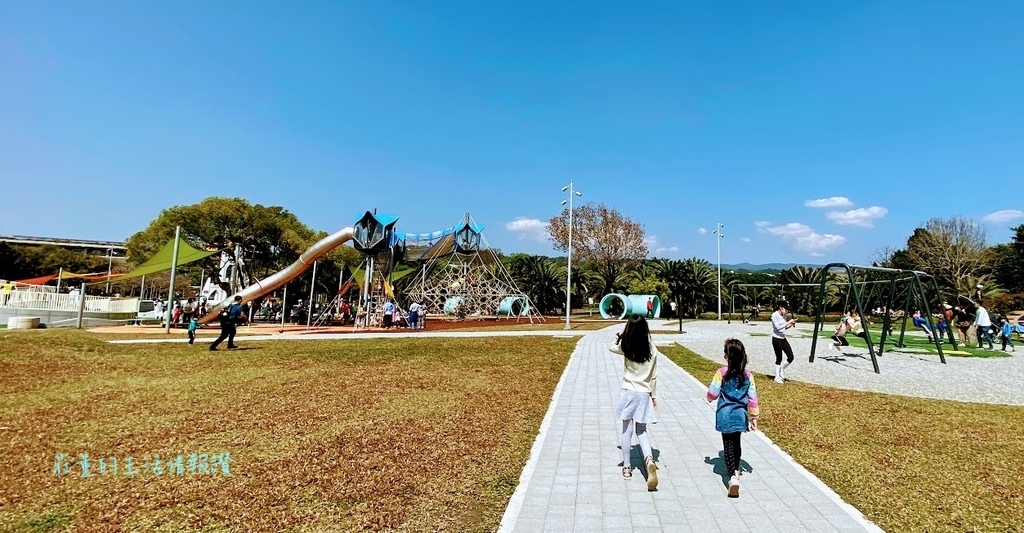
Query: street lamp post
[718,232]
[568,265]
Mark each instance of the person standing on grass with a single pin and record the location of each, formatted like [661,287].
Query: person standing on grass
[733,387]
[229,318]
[982,322]
[779,342]
[637,401]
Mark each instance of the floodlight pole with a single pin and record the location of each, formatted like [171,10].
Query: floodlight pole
[568,265]
[718,232]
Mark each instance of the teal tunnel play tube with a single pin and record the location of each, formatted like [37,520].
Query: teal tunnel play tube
[450,304]
[513,306]
[633,304]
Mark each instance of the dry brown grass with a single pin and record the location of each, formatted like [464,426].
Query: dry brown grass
[388,434]
[909,464]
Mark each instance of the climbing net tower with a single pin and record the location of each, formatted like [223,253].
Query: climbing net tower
[462,276]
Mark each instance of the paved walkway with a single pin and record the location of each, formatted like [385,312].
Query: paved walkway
[572,481]
[970,379]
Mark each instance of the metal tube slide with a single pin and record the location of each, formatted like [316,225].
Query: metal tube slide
[279,279]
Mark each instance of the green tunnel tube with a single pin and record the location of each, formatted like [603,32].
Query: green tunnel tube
[633,304]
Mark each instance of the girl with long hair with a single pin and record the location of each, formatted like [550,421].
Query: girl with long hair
[733,387]
[637,401]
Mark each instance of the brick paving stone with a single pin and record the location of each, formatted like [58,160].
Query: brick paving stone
[575,468]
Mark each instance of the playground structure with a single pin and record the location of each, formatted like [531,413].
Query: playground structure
[770,304]
[462,276]
[632,305]
[906,286]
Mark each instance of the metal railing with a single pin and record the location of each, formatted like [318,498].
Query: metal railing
[48,301]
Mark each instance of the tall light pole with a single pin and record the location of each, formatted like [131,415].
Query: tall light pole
[718,232]
[568,265]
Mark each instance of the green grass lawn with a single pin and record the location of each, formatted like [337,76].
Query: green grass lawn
[909,464]
[383,434]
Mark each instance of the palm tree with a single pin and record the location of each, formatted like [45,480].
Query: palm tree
[698,285]
[800,298]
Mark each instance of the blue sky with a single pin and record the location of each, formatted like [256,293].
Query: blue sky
[815,131]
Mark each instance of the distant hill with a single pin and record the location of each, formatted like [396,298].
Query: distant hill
[767,267]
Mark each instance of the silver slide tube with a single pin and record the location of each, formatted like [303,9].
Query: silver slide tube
[278,279]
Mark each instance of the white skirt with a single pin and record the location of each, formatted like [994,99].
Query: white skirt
[636,406]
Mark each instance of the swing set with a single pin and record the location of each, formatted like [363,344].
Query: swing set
[906,290]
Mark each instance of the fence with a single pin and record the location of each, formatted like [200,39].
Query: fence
[49,301]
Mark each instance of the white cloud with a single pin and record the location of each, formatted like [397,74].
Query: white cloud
[701,231]
[863,217]
[669,249]
[529,228]
[745,239]
[761,224]
[833,201]
[1004,216]
[803,238]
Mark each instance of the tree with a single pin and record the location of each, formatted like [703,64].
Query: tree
[800,298]
[609,239]
[1009,267]
[952,250]
[541,279]
[697,286]
[270,237]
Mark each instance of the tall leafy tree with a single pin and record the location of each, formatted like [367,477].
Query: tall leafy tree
[1009,267]
[697,287]
[800,298]
[604,236]
[953,250]
[270,237]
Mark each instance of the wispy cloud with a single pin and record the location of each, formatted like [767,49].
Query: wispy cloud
[529,228]
[761,224]
[744,239]
[832,201]
[669,249]
[701,231]
[803,238]
[863,217]
[1004,216]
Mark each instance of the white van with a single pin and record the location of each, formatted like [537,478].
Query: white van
[147,312]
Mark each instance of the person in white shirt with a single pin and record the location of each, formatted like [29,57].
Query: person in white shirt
[779,342]
[983,323]
[639,389]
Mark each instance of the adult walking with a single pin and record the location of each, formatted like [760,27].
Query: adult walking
[639,389]
[982,322]
[779,342]
[229,318]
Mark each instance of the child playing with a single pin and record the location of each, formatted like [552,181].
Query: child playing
[193,325]
[636,403]
[733,386]
[839,339]
[1007,335]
